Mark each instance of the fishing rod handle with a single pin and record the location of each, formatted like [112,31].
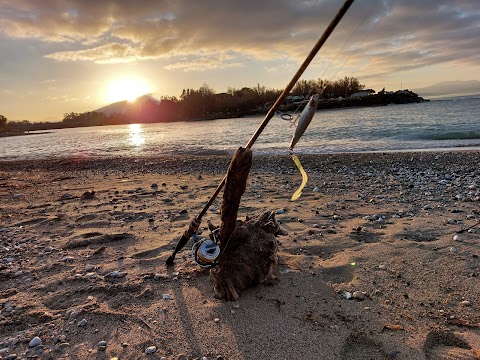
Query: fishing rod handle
[192,229]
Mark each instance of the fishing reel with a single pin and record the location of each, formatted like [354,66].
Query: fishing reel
[206,251]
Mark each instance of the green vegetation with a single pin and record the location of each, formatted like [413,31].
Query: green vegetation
[3,122]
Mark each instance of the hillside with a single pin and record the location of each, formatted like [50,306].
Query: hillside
[123,107]
[450,88]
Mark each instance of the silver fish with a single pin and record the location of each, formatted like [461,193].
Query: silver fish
[305,119]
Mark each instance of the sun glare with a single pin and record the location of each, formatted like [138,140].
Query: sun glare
[136,135]
[127,88]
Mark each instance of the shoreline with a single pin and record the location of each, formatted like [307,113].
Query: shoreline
[24,133]
[370,267]
[217,156]
[173,162]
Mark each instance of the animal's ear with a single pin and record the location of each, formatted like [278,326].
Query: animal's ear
[268,222]
[266,217]
[272,226]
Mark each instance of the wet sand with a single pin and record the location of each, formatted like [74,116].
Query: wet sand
[380,261]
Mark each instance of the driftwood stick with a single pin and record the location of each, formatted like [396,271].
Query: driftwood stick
[248,249]
[235,186]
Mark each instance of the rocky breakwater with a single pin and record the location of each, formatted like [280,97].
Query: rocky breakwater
[380,99]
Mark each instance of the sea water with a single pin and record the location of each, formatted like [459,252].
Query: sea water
[449,123]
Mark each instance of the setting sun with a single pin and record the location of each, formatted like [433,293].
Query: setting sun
[126,88]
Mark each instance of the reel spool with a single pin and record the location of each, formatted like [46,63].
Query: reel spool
[205,252]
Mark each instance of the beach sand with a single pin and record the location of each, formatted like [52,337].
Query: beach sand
[369,269]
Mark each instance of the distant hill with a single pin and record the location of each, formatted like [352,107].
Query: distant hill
[125,107]
[450,88]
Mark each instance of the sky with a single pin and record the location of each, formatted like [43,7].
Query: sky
[58,57]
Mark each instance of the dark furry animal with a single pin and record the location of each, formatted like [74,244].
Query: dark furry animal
[249,258]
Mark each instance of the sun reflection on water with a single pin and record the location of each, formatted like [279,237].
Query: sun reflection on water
[136,135]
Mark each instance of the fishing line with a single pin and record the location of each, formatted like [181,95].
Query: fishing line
[309,111]
[345,44]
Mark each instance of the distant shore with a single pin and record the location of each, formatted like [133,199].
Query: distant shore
[381,99]
[8,134]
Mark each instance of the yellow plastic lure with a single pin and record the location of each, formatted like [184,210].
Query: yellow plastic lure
[298,193]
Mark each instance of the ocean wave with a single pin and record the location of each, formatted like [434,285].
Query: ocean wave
[205,152]
[457,135]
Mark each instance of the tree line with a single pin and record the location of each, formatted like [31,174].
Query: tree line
[198,104]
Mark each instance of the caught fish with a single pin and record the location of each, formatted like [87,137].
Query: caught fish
[305,119]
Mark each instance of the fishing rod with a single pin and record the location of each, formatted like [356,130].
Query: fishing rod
[193,227]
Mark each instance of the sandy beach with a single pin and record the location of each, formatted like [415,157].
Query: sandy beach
[380,261]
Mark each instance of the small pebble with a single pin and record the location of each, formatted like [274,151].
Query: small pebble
[150,350]
[166,297]
[358,295]
[116,274]
[102,345]
[465,303]
[457,238]
[182,357]
[35,341]
[216,320]
[392,354]
[82,322]
[382,267]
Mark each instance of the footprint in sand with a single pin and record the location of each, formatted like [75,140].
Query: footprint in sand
[426,235]
[339,274]
[358,346]
[95,238]
[366,237]
[444,345]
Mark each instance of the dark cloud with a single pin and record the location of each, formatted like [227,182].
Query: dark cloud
[388,35]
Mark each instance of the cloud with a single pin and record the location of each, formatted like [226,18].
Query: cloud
[385,35]
[109,53]
[203,64]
